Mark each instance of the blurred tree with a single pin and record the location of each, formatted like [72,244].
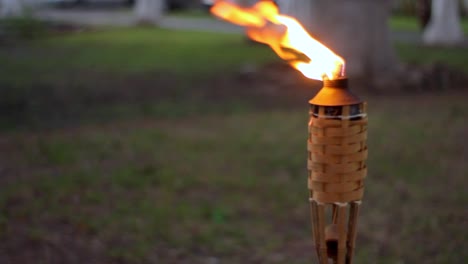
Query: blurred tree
[424,11]
[149,11]
[464,4]
[301,10]
[444,27]
[357,30]
[245,2]
[11,8]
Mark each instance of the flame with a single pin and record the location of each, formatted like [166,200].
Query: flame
[285,35]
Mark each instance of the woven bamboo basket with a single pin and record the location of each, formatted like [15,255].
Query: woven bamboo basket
[337,157]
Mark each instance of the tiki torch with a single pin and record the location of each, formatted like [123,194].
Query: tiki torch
[337,149]
[337,153]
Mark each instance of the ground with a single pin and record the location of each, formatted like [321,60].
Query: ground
[133,146]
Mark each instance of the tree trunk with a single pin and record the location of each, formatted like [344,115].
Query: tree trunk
[444,27]
[11,8]
[243,2]
[465,7]
[423,10]
[357,30]
[300,9]
[149,11]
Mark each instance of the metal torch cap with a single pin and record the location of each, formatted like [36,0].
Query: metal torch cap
[335,93]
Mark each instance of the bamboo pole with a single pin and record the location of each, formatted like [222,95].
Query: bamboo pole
[342,235]
[315,227]
[322,246]
[352,229]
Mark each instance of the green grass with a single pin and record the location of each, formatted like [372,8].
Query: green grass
[179,177]
[455,57]
[234,187]
[410,23]
[404,23]
[21,28]
[123,51]
[63,72]
[128,51]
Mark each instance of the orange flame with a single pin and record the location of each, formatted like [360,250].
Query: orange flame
[286,36]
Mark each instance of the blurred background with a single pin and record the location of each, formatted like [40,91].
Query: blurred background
[148,131]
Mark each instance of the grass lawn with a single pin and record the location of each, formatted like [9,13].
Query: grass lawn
[232,187]
[64,71]
[154,170]
[455,57]
[123,51]
[410,23]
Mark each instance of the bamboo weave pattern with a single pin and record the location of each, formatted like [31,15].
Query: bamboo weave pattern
[337,154]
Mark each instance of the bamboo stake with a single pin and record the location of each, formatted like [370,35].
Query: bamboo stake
[323,258]
[334,213]
[315,232]
[352,230]
[341,223]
